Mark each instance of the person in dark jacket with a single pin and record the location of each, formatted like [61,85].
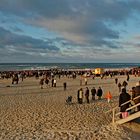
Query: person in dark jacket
[132,93]
[65,86]
[99,93]
[41,83]
[128,77]
[119,86]
[124,97]
[124,84]
[87,94]
[116,80]
[46,81]
[137,93]
[93,93]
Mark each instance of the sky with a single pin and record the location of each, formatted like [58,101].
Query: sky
[69,31]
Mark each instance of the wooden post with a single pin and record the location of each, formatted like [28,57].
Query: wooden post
[113,117]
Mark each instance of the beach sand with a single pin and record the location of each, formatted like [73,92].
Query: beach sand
[28,112]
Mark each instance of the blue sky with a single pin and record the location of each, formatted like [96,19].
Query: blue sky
[69,31]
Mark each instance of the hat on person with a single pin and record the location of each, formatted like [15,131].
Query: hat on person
[138,83]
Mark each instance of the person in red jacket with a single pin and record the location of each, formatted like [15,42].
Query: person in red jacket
[108,96]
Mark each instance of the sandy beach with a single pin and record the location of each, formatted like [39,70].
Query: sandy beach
[30,113]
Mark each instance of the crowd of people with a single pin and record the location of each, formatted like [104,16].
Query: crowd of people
[81,93]
[49,77]
[124,99]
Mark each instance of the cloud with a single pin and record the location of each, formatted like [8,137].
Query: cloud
[89,26]
[16,29]
[79,31]
[8,38]
[82,21]
[19,45]
[136,37]
[28,8]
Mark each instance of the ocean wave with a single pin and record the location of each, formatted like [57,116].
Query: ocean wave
[45,66]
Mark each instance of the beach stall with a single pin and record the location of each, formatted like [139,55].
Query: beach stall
[99,71]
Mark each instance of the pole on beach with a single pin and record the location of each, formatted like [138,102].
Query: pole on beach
[113,117]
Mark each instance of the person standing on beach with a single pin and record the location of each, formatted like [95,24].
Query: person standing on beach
[119,86]
[81,96]
[65,86]
[137,93]
[87,94]
[36,75]
[81,80]
[128,77]
[22,76]
[108,96]
[132,93]
[41,83]
[99,93]
[116,80]
[93,93]
[85,80]
[78,99]
[124,84]
[124,97]
[47,81]
[15,78]
[54,82]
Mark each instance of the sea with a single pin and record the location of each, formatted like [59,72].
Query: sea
[45,66]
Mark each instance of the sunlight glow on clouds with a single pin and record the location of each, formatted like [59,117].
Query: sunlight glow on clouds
[69,31]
